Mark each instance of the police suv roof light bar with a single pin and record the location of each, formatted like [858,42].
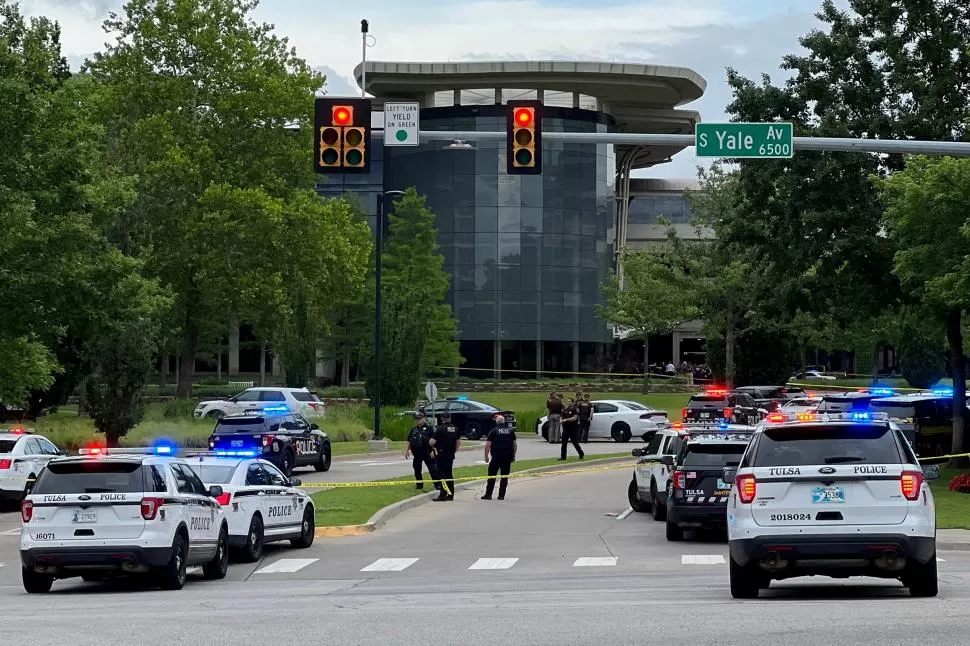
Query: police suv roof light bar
[850,416]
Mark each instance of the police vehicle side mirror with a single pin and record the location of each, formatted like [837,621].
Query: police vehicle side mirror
[215,491]
[638,452]
[667,461]
[931,472]
[62,452]
[295,482]
[728,475]
[314,427]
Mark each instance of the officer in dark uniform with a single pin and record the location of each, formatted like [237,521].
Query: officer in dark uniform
[570,429]
[585,410]
[419,444]
[502,445]
[446,443]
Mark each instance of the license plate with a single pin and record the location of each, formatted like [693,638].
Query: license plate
[236,443]
[705,415]
[823,495]
[722,485]
[85,517]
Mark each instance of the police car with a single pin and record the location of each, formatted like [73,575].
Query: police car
[261,504]
[286,439]
[22,456]
[839,495]
[110,513]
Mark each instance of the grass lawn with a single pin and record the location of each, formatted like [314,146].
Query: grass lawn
[952,507]
[354,506]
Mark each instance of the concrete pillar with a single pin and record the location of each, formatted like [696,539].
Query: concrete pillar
[575,99]
[541,96]
[456,97]
[540,358]
[676,338]
[575,345]
[498,96]
[233,349]
[497,359]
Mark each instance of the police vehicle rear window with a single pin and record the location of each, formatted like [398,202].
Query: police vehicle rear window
[6,446]
[242,425]
[843,404]
[706,401]
[899,411]
[301,396]
[850,444]
[214,473]
[701,456]
[90,477]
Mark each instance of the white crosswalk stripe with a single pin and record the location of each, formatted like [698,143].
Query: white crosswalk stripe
[389,565]
[11,532]
[939,560]
[193,570]
[595,561]
[701,559]
[493,564]
[286,565]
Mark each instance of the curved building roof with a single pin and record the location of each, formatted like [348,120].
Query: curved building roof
[641,98]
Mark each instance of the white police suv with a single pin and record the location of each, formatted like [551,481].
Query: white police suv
[262,505]
[837,495]
[108,514]
[22,456]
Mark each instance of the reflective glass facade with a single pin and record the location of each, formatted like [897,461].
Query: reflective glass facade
[526,254]
[649,208]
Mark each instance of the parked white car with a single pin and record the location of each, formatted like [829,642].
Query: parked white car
[812,375]
[265,399]
[801,405]
[618,419]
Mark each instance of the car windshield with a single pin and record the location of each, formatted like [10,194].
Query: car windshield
[90,477]
[896,410]
[241,425]
[702,456]
[842,404]
[811,445]
[214,473]
[706,401]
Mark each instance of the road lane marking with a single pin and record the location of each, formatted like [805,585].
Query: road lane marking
[286,565]
[595,561]
[493,564]
[939,560]
[389,565]
[193,570]
[629,510]
[11,532]
[701,559]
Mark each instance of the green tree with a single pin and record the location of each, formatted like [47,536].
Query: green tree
[199,99]
[926,216]
[649,298]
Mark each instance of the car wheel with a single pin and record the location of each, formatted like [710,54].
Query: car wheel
[215,414]
[34,582]
[219,565]
[633,496]
[172,574]
[323,463]
[921,578]
[286,463]
[674,533]
[255,539]
[621,432]
[307,530]
[658,511]
[473,430]
[745,582]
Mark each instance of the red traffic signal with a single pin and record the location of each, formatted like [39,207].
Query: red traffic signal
[524,144]
[343,132]
[524,117]
[343,115]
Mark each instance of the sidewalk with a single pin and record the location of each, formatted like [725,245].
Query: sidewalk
[953,539]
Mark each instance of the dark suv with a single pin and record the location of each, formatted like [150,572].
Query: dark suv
[717,404]
[771,398]
[287,440]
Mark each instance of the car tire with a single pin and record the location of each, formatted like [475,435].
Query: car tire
[219,565]
[621,432]
[36,583]
[307,530]
[286,462]
[746,583]
[171,576]
[922,579]
[255,540]
[633,496]
[658,511]
[674,533]
[323,463]
[473,430]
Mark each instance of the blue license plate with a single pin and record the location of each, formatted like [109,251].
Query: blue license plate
[237,443]
[824,495]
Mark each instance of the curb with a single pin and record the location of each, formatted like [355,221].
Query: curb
[381,516]
[956,547]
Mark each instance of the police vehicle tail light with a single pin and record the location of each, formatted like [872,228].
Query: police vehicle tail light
[27,510]
[911,482]
[747,488]
[149,507]
[728,413]
[5,463]
[224,498]
[680,479]
[716,391]
[268,439]
[683,413]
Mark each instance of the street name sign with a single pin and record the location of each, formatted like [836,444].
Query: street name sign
[401,124]
[744,140]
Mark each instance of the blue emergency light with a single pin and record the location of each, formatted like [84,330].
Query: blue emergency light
[860,416]
[943,391]
[234,454]
[164,447]
[276,409]
[462,398]
[883,391]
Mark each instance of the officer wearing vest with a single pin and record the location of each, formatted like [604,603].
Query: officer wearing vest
[585,409]
[502,445]
[446,443]
[419,444]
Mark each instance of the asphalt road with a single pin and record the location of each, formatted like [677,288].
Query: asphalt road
[560,561]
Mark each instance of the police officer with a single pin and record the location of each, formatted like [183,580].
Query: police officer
[554,412]
[502,445]
[419,444]
[446,443]
[570,429]
[585,410]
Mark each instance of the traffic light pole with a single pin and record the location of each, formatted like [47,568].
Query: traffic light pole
[378,313]
[834,144]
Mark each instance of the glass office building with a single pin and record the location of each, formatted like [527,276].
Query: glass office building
[526,254]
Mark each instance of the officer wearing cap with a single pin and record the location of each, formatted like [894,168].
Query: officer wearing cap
[446,443]
[501,444]
[419,444]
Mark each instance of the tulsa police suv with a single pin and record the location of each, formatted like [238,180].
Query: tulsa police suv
[101,515]
[261,504]
[831,494]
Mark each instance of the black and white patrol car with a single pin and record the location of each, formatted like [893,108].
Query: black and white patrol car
[22,456]
[838,495]
[696,494]
[285,439]
[262,505]
[103,515]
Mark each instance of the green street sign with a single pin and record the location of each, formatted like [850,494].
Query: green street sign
[744,140]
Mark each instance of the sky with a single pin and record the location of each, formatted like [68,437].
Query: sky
[704,35]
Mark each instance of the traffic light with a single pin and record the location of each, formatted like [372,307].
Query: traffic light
[524,144]
[343,135]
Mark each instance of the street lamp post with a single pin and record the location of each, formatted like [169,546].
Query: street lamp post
[378,308]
